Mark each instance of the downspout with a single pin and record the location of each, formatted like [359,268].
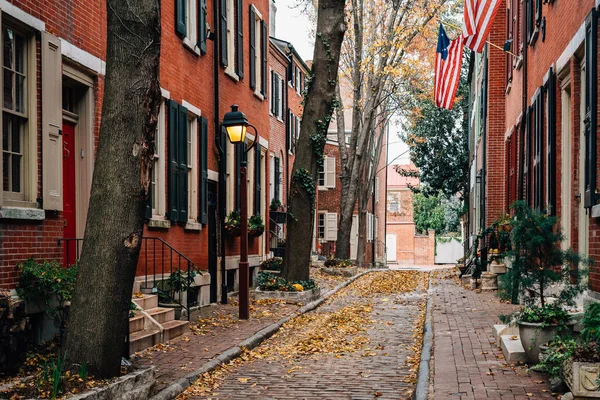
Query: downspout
[222,153]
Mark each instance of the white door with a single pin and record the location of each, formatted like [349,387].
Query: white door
[354,237]
[390,246]
[566,179]
[583,216]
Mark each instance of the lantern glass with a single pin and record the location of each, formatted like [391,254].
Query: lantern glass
[236,133]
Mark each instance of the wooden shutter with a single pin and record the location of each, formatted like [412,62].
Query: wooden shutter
[277,178]
[239,34]
[182,183]
[257,176]
[202,37]
[509,36]
[376,189]
[149,200]
[526,154]
[538,12]
[252,48]
[591,106]
[52,123]
[537,153]
[263,52]
[272,92]
[331,226]
[223,32]
[173,161]
[551,143]
[276,90]
[330,172]
[180,17]
[202,214]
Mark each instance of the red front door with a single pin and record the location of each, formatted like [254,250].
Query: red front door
[69,212]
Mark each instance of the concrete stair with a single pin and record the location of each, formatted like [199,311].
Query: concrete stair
[145,333]
[507,338]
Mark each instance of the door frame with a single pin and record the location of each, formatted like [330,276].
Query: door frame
[583,223]
[566,162]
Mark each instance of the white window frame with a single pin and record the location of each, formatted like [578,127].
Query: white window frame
[329,174]
[257,53]
[331,227]
[191,26]
[192,149]
[231,50]
[321,225]
[251,180]
[28,194]
[271,177]
[159,169]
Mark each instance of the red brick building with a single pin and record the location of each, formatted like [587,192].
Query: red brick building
[537,140]
[213,54]
[404,245]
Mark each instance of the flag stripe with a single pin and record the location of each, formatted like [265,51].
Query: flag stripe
[479,16]
[447,74]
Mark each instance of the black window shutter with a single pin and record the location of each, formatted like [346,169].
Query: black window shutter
[202,217]
[223,32]
[273,92]
[526,155]
[238,180]
[173,161]
[276,90]
[263,53]
[202,26]
[591,106]
[290,73]
[239,31]
[277,178]
[183,163]
[180,17]
[252,29]
[551,145]
[288,130]
[538,12]
[257,175]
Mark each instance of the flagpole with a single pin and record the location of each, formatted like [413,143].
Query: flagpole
[487,41]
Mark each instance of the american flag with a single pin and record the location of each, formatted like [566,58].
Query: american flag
[479,16]
[447,68]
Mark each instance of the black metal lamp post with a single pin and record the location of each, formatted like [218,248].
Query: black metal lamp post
[236,124]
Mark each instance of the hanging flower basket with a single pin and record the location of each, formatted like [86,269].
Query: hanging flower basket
[232,231]
[256,232]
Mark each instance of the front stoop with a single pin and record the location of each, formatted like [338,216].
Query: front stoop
[144,333]
[512,349]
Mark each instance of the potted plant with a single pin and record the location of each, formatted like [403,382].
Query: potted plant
[171,289]
[277,214]
[577,361]
[539,262]
[274,265]
[256,227]
[232,224]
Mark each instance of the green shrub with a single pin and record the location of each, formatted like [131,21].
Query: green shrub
[333,262]
[591,323]
[269,282]
[272,264]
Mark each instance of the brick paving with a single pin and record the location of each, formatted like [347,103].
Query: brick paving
[218,329]
[467,363]
[378,369]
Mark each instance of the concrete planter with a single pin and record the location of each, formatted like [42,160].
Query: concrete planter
[582,379]
[351,271]
[533,335]
[489,281]
[297,297]
[497,268]
[475,283]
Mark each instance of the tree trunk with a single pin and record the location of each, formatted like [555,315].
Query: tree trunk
[320,105]
[348,198]
[99,315]
[362,237]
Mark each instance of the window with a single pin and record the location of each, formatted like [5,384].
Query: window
[232,38]
[534,19]
[257,52]
[298,81]
[157,187]
[393,202]
[551,143]
[537,121]
[327,173]
[14,114]
[321,226]
[277,95]
[591,105]
[191,24]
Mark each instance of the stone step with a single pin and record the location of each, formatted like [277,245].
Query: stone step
[162,314]
[147,301]
[512,349]
[136,323]
[173,329]
[143,339]
[500,330]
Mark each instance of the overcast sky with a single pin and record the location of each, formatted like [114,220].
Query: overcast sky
[295,26]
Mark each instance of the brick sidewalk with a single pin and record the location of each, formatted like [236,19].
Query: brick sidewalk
[467,363]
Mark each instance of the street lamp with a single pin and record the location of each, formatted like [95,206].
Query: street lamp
[236,124]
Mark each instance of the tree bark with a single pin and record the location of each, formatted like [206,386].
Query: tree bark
[99,315]
[319,106]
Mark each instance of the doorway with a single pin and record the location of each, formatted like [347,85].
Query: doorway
[390,244]
[212,240]
[69,193]
[583,223]
[566,177]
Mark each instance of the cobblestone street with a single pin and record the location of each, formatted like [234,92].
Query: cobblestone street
[363,343]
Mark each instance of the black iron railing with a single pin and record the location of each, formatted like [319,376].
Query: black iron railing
[167,272]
